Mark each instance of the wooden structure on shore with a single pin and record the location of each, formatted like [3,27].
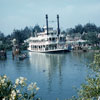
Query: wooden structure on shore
[3,55]
[15,51]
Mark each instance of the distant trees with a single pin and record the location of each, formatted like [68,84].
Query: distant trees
[88,32]
[1,36]
[21,35]
[79,29]
[92,37]
[89,27]
[37,28]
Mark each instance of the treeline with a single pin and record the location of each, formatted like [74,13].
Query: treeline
[88,32]
[89,27]
[19,35]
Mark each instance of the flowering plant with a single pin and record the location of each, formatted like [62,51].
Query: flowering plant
[18,90]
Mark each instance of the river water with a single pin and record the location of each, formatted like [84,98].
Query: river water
[55,74]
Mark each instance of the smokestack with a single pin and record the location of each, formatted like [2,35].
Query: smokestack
[58,29]
[47,23]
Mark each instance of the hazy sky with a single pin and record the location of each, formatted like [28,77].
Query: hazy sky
[16,14]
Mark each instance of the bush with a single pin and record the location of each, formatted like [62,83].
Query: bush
[18,90]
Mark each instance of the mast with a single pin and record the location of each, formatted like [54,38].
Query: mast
[47,23]
[58,29]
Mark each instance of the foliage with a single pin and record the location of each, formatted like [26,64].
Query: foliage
[95,48]
[91,37]
[87,32]
[1,36]
[17,91]
[19,35]
[79,29]
[95,66]
[89,27]
[37,28]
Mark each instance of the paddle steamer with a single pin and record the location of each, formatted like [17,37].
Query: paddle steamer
[49,40]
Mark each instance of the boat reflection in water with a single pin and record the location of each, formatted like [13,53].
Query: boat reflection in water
[60,72]
[50,64]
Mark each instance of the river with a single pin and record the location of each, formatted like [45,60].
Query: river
[55,74]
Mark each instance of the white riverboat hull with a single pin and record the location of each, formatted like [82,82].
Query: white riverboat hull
[49,51]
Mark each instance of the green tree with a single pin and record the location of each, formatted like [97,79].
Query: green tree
[91,37]
[90,28]
[17,36]
[79,29]
[2,36]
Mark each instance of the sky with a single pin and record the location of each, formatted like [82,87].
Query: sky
[17,14]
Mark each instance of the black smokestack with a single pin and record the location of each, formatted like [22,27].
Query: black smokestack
[58,29]
[47,23]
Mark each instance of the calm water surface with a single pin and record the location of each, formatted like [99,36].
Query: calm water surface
[55,74]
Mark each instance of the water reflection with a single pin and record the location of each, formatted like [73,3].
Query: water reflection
[50,64]
[62,71]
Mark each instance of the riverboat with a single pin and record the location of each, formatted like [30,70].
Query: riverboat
[49,40]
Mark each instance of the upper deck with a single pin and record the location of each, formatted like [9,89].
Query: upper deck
[49,38]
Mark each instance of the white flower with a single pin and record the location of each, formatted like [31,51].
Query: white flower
[17,81]
[21,81]
[99,98]
[13,94]
[35,85]
[37,88]
[30,87]
[22,78]
[19,95]
[5,76]
[18,91]
[2,81]
[3,99]
[4,84]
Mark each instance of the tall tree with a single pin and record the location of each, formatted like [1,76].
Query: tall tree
[1,35]
[90,28]
[79,29]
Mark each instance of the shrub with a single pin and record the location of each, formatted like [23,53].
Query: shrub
[18,90]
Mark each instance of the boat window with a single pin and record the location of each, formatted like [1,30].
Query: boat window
[51,33]
[49,39]
[53,39]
